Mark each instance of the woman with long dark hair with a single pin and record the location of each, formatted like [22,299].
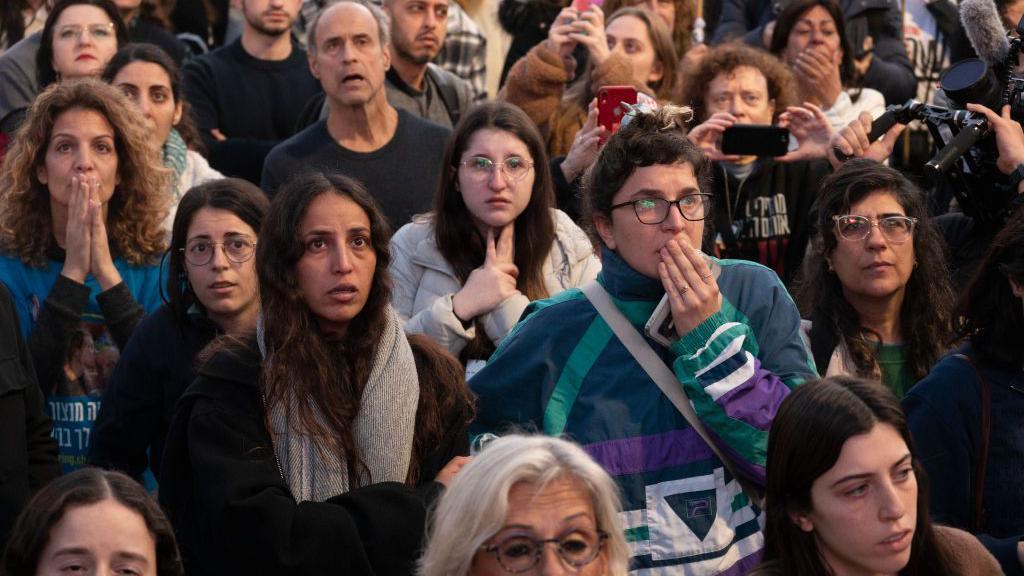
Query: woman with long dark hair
[493,243]
[845,493]
[966,414]
[292,444]
[211,289]
[19,18]
[147,75]
[877,291]
[810,37]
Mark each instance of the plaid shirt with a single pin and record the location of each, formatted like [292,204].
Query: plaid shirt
[465,51]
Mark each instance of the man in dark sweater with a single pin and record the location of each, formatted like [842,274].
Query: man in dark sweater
[247,96]
[396,155]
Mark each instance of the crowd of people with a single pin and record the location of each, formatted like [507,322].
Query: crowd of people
[303,286]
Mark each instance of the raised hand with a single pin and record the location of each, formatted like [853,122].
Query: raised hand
[493,282]
[585,147]
[589,32]
[101,263]
[812,130]
[852,140]
[559,39]
[708,136]
[691,287]
[78,232]
[1009,137]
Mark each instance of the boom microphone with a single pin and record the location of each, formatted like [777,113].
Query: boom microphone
[984,28]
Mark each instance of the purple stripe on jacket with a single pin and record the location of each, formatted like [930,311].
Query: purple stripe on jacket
[649,453]
[757,400]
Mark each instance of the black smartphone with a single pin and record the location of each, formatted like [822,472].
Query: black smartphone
[755,140]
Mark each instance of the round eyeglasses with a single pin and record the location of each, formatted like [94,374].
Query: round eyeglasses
[896,229]
[693,207]
[518,554]
[237,250]
[480,168]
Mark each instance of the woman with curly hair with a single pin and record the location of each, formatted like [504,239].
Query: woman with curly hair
[877,292]
[82,198]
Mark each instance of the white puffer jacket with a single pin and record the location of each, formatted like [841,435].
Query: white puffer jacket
[424,282]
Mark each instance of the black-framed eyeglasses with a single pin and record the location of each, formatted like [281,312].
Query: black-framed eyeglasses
[693,207]
[896,229]
[238,249]
[519,553]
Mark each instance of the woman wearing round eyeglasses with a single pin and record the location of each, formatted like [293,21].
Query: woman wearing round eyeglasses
[211,290]
[550,509]
[464,273]
[877,292]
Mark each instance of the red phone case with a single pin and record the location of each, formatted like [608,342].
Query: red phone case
[610,109]
[580,5]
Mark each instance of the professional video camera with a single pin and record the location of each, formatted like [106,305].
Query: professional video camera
[966,157]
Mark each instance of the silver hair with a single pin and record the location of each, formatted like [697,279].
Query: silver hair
[383,22]
[475,506]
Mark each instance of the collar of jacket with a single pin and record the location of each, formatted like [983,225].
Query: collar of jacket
[625,283]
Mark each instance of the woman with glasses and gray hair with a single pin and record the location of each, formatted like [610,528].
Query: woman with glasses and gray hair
[464,273]
[680,418]
[877,293]
[211,289]
[527,503]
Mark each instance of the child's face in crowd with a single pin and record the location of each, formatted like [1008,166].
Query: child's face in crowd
[81,145]
[815,30]
[560,509]
[875,267]
[494,198]
[101,538]
[350,61]
[640,244]
[335,273]
[742,92]
[864,509]
[629,36]
[149,86]
[226,289]
[84,40]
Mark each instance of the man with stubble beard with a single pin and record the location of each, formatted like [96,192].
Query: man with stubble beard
[394,153]
[414,82]
[248,95]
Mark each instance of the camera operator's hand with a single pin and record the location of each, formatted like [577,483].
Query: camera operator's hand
[812,130]
[1009,137]
[853,141]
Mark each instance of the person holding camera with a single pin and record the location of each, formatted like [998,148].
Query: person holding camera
[764,202]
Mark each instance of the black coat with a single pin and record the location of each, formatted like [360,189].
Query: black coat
[28,454]
[233,511]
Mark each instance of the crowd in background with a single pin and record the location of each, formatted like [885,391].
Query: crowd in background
[388,287]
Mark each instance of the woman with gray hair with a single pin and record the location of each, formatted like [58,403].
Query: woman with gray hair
[538,490]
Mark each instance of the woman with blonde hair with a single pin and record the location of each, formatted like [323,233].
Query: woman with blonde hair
[82,197]
[520,494]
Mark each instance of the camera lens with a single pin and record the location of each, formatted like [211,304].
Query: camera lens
[971,81]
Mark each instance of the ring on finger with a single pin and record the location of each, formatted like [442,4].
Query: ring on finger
[683,291]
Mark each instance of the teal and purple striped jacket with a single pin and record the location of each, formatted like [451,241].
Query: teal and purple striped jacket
[564,372]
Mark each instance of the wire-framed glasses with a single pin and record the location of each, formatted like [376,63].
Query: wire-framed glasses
[896,229]
[480,168]
[693,207]
[238,249]
[75,31]
[519,553]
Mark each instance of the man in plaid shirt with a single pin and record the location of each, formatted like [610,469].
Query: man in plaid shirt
[465,51]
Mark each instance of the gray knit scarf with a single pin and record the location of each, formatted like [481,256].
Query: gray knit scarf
[384,425]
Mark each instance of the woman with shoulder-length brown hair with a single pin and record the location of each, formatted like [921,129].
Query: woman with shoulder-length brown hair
[82,197]
[293,442]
